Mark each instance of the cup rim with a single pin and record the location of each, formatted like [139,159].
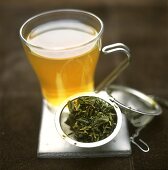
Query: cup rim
[58,11]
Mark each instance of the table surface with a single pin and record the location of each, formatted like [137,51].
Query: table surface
[142,25]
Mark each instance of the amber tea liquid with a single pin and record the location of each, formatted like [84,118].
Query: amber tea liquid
[63,64]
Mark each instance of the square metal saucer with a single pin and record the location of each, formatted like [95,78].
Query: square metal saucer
[51,145]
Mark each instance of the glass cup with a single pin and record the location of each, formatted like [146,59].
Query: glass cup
[63,47]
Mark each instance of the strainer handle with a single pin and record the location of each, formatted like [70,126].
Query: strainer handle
[143,146]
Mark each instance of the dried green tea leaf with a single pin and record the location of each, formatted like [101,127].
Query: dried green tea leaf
[91,119]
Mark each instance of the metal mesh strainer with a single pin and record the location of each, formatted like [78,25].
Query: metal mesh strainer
[64,130]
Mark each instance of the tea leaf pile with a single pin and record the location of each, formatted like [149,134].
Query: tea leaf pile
[91,119]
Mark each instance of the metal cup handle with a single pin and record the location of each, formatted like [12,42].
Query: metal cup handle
[117,47]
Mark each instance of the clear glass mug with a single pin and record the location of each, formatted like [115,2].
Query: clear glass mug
[63,47]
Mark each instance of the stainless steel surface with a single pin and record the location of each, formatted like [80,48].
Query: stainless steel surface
[162,101]
[138,107]
[63,129]
[51,145]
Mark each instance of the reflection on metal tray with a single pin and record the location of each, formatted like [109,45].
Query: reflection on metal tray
[51,145]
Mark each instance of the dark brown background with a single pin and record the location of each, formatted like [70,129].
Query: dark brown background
[142,25]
